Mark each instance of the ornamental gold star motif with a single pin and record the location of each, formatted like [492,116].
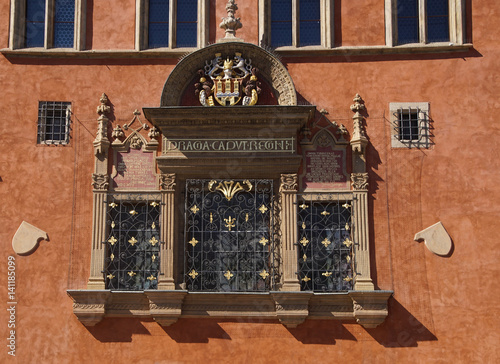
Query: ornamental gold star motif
[110,276]
[325,213]
[193,242]
[131,273]
[326,242]
[228,275]
[153,241]
[304,241]
[327,274]
[306,279]
[264,274]
[303,206]
[263,209]
[193,274]
[112,205]
[194,209]
[151,278]
[112,240]
[348,243]
[263,241]
[133,212]
[154,203]
[133,241]
[346,205]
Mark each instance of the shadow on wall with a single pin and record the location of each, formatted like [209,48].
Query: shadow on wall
[400,329]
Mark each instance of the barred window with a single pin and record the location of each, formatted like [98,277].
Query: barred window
[133,241]
[229,235]
[410,124]
[54,120]
[325,243]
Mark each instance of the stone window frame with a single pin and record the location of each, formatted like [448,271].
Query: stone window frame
[142,25]
[423,108]
[42,123]
[456,9]
[326,26]
[18,25]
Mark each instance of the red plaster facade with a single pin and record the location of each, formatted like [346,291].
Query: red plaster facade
[443,309]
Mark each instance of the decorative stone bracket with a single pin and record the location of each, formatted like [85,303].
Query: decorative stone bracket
[368,308]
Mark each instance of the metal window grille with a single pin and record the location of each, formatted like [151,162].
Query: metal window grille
[54,118]
[411,126]
[229,235]
[133,241]
[325,242]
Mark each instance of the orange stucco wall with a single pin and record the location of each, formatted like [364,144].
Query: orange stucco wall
[444,309]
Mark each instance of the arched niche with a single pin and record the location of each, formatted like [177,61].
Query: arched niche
[271,70]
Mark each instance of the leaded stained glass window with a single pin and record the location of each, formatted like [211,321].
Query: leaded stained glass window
[325,243]
[133,241]
[35,23]
[228,235]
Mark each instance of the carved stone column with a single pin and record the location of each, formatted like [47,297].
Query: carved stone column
[288,192]
[166,281]
[359,180]
[100,182]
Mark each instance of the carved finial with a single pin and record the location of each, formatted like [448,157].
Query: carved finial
[230,23]
[103,108]
[358,141]
[101,142]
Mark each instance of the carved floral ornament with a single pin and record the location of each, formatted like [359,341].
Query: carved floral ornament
[228,81]
[135,140]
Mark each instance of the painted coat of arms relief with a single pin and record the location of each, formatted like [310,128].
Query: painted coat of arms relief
[228,81]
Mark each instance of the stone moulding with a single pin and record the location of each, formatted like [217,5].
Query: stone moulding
[368,308]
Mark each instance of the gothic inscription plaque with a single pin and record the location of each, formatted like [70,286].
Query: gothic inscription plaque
[134,170]
[325,169]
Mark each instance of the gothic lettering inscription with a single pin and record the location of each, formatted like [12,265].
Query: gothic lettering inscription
[280,145]
[325,168]
[134,171]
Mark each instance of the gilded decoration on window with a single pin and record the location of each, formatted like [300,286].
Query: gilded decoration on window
[228,81]
[229,188]
[194,209]
[132,257]
[234,247]
[325,244]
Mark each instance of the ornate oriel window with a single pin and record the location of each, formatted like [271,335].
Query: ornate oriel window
[133,241]
[229,235]
[47,24]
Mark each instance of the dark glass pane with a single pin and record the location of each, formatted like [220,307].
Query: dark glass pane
[409,125]
[63,35]
[437,21]
[158,23]
[186,34]
[187,10]
[309,29]
[281,23]
[407,21]
[35,23]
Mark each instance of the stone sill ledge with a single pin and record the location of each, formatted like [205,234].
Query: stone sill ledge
[368,308]
[284,51]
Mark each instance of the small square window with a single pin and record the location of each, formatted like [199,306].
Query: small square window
[410,125]
[54,119]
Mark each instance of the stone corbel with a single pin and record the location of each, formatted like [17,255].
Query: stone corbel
[165,307]
[89,306]
[359,181]
[370,307]
[292,308]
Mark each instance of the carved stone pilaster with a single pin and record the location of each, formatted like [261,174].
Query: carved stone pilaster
[100,182]
[370,308]
[165,307]
[167,181]
[89,306]
[168,224]
[292,308]
[288,213]
[101,142]
[230,23]
[359,181]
